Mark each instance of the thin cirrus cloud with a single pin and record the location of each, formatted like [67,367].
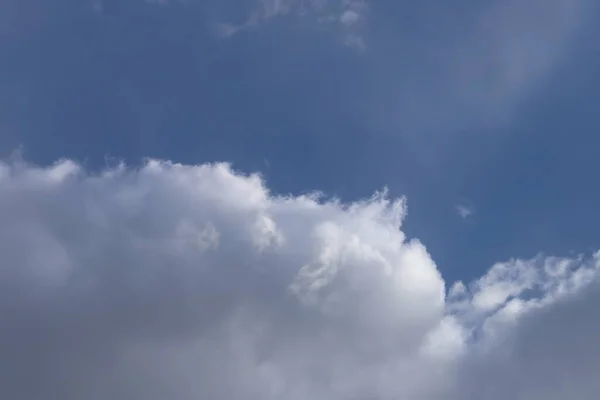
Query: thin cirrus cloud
[436,68]
[457,67]
[347,14]
[185,282]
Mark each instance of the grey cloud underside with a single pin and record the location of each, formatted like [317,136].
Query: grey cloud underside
[552,356]
[189,282]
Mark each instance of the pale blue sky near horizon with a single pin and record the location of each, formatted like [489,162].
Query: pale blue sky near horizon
[490,107]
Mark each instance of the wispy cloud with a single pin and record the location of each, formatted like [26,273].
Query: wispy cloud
[464,211]
[464,69]
[349,15]
[437,70]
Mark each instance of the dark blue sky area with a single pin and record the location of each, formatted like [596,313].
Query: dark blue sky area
[492,110]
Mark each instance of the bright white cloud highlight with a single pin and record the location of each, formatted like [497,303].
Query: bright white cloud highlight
[186,282]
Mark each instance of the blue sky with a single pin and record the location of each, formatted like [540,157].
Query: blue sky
[141,259]
[486,107]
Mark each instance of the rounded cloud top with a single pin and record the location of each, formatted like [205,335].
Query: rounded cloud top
[195,282]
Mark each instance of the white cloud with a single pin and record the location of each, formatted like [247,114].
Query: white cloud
[189,282]
[349,17]
[464,211]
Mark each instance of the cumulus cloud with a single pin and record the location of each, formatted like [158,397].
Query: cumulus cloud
[186,282]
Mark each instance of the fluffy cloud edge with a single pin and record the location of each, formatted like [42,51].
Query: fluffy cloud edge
[166,263]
